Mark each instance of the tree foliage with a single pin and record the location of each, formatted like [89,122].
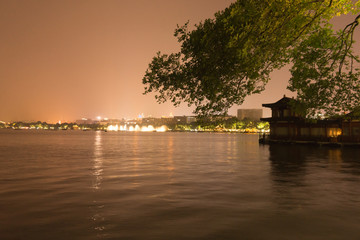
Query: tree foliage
[225,59]
[325,73]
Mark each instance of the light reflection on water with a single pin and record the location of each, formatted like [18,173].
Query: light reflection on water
[98,161]
[170,161]
[98,217]
[97,185]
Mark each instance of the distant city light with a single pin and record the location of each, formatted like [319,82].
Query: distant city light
[149,128]
[161,129]
[136,128]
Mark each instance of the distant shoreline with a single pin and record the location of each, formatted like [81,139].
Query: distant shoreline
[176,131]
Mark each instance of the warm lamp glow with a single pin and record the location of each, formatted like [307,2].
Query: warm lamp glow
[136,128]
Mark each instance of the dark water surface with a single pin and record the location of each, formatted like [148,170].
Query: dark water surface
[97,185]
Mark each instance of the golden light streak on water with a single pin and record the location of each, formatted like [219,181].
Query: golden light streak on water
[97,216]
[98,161]
[170,155]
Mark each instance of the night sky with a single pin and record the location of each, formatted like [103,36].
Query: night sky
[64,60]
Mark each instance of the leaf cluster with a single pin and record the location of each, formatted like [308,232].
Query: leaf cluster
[325,73]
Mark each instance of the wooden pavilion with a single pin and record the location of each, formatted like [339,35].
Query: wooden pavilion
[290,125]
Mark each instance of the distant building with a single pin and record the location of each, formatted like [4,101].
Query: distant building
[184,119]
[84,121]
[148,121]
[111,122]
[249,114]
[190,119]
[180,119]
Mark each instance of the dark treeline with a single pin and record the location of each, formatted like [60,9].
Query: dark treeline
[230,124]
[50,126]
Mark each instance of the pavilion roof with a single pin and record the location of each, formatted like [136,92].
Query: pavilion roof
[282,103]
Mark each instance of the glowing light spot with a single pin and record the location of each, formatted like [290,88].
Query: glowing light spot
[136,128]
[149,128]
[161,129]
[113,128]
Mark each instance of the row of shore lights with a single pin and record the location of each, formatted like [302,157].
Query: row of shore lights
[136,128]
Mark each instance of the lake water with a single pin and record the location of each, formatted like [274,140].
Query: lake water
[116,185]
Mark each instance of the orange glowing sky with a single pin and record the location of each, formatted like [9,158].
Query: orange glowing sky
[64,60]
